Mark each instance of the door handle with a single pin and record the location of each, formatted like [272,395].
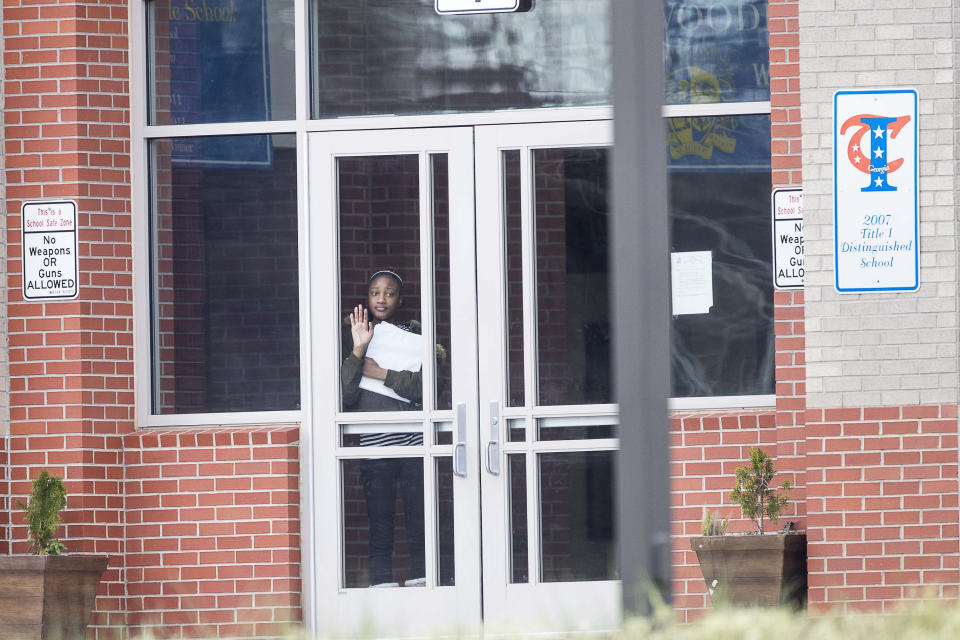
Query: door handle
[460,448]
[493,446]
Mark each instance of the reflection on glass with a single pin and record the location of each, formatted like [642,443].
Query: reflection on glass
[576,428]
[379,219]
[220,60]
[514,272]
[441,277]
[443,432]
[224,274]
[719,204]
[576,517]
[516,430]
[400,57]
[572,283]
[383,545]
[445,537]
[716,51]
[517,468]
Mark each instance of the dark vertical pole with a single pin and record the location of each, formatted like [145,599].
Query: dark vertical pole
[641,301]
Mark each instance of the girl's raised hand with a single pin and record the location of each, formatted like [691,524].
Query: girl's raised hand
[361,329]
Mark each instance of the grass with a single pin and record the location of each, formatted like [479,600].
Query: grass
[922,620]
[918,620]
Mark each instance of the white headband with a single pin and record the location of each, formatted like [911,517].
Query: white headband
[388,273]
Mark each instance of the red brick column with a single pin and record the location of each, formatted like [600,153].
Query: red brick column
[790,343]
[66,134]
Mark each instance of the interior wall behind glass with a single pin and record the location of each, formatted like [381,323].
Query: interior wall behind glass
[401,57]
[224,290]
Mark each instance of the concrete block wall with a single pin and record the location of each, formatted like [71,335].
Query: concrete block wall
[873,349]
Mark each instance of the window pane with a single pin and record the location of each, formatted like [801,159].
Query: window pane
[379,212]
[220,60]
[513,251]
[441,281]
[576,517]
[224,276]
[446,541]
[383,534]
[719,174]
[400,57]
[576,427]
[572,283]
[716,51]
[517,468]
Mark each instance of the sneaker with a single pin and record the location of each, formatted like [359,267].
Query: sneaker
[385,584]
[415,582]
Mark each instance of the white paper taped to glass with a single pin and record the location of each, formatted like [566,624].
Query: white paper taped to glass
[395,349]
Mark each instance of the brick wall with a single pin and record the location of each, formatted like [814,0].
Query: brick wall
[705,450]
[213,532]
[882,505]
[788,312]
[66,135]
[4,359]
[881,369]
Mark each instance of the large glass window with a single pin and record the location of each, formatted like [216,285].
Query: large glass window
[220,60]
[722,330]
[400,57]
[716,51]
[224,279]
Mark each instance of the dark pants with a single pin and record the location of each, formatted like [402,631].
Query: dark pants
[380,480]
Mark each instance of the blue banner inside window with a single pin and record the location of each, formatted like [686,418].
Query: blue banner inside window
[719,143]
[219,72]
[716,51]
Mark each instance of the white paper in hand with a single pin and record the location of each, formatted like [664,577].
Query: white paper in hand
[396,349]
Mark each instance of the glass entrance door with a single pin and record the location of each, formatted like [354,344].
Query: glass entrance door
[548,425]
[395,535]
[462,423]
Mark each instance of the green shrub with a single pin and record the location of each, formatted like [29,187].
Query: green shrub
[42,513]
[753,492]
[712,525]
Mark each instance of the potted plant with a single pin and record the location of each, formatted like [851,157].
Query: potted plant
[47,595]
[755,569]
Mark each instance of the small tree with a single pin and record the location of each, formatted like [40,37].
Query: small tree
[753,492]
[43,514]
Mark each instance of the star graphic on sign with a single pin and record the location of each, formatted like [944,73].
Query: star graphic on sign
[878,132]
[879,181]
[878,153]
[855,148]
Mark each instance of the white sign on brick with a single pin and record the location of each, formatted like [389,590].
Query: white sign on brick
[788,238]
[876,230]
[50,263]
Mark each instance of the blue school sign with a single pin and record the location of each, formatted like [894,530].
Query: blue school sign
[875,175]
